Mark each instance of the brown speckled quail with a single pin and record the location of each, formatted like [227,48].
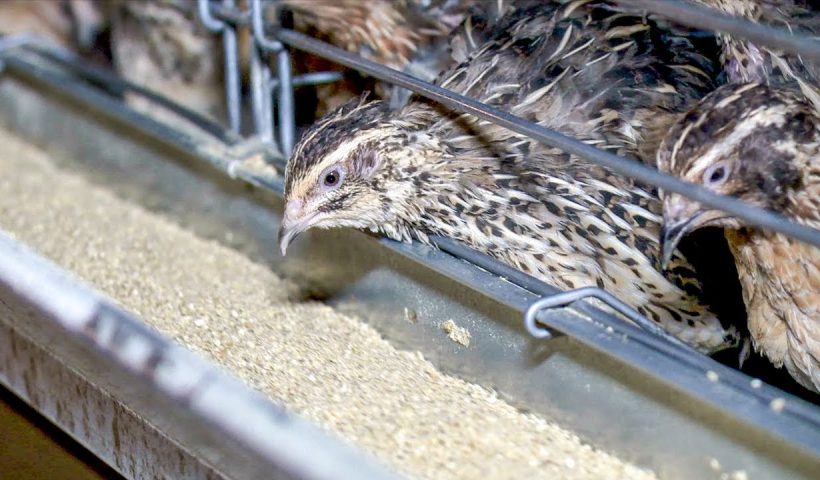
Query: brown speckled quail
[161,45]
[756,139]
[582,67]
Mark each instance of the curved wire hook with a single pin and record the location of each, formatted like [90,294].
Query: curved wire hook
[571,296]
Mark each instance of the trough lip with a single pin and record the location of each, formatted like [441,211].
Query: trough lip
[798,423]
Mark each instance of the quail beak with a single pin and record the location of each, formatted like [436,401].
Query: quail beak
[680,218]
[293,223]
[671,235]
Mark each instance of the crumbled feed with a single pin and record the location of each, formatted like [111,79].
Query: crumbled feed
[777,404]
[455,333]
[330,368]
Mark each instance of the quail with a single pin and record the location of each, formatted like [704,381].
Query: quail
[582,67]
[761,144]
[73,24]
[161,45]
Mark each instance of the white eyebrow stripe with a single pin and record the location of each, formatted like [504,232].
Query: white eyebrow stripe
[340,153]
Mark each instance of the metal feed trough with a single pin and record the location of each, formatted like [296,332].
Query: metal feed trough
[148,407]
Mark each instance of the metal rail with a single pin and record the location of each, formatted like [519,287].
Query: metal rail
[180,382]
[112,83]
[709,18]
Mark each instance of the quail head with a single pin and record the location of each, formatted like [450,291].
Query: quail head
[760,144]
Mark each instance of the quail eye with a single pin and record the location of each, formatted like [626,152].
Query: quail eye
[716,174]
[331,179]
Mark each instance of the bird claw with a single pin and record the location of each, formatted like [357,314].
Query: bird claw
[745,352]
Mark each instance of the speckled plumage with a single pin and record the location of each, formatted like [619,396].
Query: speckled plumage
[761,144]
[408,35]
[744,61]
[160,45]
[582,67]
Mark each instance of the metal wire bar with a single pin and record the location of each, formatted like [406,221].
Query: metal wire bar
[531,284]
[211,23]
[231,50]
[285,106]
[313,78]
[234,16]
[232,88]
[711,19]
[631,168]
[571,296]
[260,97]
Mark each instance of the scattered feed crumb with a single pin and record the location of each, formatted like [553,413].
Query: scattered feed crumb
[455,333]
[777,404]
[330,368]
[739,475]
[756,383]
[410,315]
[712,376]
[714,464]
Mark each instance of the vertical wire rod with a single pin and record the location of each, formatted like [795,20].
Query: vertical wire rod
[232,88]
[259,92]
[285,103]
[287,121]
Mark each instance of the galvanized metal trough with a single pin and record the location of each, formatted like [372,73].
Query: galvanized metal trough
[150,408]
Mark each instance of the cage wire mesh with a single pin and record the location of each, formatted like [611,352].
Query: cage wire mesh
[272,91]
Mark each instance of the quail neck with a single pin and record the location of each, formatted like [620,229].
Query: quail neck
[588,69]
